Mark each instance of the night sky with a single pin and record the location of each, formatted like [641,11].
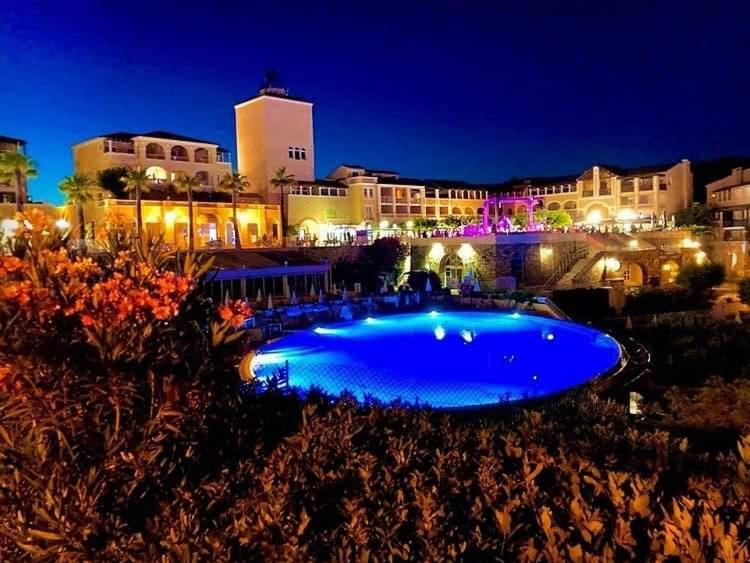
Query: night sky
[430,89]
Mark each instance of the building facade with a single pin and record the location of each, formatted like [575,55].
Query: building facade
[7,188]
[165,156]
[275,130]
[609,195]
[729,201]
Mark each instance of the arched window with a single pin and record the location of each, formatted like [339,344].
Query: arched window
[468,211]
[570,205]
[480,210]
[157,174]
[456,211]
[179,152]
[202,175]
[554,206]
[201,155]
[155,150]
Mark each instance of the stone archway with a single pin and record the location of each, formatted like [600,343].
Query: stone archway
[452,271]
[633,274]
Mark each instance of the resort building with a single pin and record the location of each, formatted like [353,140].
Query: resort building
[355,203]
[729,201]
[165,156]
[608,195]
[7,189]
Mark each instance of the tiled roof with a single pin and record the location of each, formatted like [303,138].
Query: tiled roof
[263,260]
[158,134]
[272,95]
[4,139]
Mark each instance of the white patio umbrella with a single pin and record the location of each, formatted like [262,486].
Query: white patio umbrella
[629,323]
[738,318]
[313,293]
[477,288]
[321,297]
[270,301]
[294,298]
[345,295]
[384,289]
[286,291]
[654,320]
[428,286]
[259,297]
[227,299]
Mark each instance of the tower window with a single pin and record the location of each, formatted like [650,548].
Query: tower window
[297,153]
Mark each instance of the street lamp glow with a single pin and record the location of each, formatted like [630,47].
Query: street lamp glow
[594,217]
[612,263]
[62,224]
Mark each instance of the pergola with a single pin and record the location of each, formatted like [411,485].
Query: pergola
[497,201]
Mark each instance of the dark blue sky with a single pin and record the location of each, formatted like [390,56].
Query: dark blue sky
[478,91]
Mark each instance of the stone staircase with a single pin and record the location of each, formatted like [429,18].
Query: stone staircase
[577,274]
[564,266]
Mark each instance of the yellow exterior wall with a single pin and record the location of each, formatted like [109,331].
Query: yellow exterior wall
[266,127]
[89,158]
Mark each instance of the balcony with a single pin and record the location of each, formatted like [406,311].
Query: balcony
[223,156]
[120,147]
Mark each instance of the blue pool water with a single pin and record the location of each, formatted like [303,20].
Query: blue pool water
[445,359]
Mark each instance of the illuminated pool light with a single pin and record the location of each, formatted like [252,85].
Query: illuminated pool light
[467,336]
[434,314]
[469,358]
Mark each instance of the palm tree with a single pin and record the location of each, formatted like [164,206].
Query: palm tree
[78,190]
[137,182]
[186,183]
[234,183]
[18,168]
[281,181]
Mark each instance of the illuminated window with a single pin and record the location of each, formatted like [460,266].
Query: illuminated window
[202,175]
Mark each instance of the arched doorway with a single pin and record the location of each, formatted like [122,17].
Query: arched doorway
[309,229]
[452,271]
[156,174]
[633,275]
[208,230]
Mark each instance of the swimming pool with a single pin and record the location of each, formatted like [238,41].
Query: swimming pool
[444,359]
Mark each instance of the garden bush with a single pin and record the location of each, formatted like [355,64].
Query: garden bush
[126,434]
[656,301]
